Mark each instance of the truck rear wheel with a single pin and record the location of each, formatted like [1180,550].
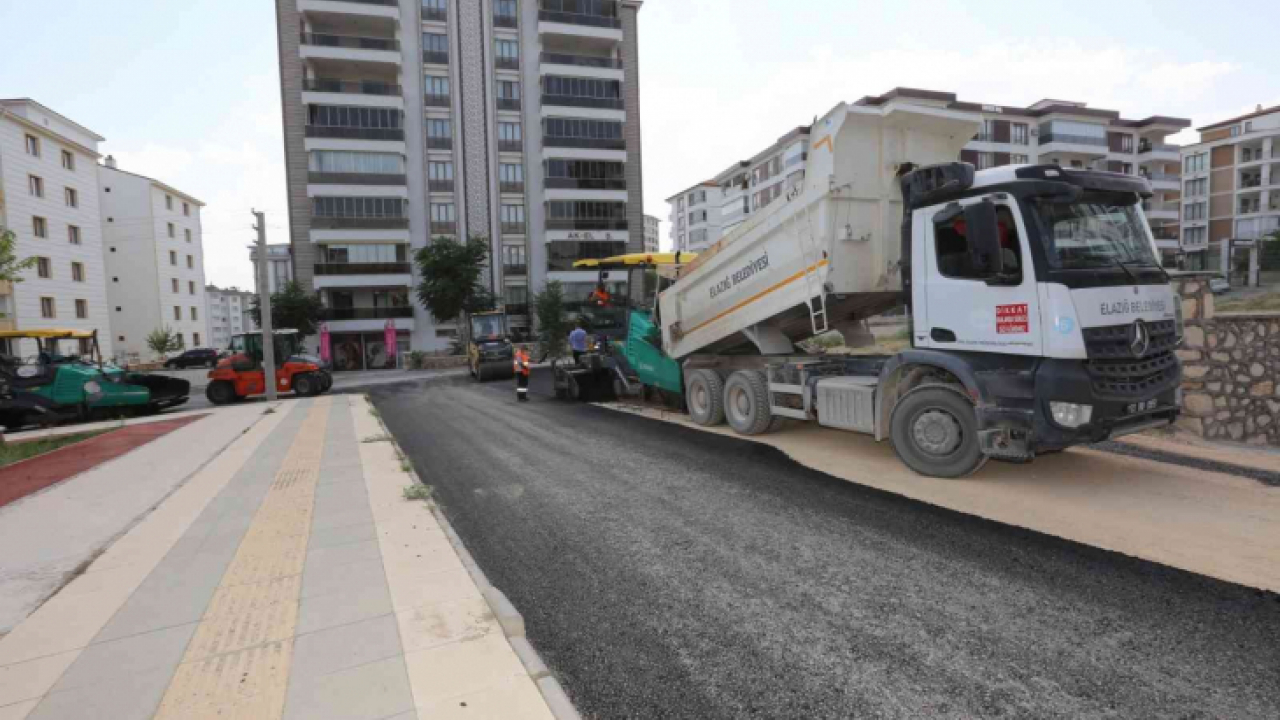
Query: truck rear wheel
[221,392]
[306,385]
[704,394]
[746,402]
[934,432]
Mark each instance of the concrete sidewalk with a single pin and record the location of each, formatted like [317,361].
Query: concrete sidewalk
[287,578]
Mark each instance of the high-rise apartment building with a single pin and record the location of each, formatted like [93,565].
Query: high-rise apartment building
[279,266]
[1051,131]
[49,199]
[228,314]
[651,231]
[695,217]
[408,120]
[153,246]
[1231,184]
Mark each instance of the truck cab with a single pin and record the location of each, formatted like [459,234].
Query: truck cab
[1042,286]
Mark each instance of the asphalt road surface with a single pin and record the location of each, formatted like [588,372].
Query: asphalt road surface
[665,573]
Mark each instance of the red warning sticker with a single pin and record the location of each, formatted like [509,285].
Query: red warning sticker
[1012,319]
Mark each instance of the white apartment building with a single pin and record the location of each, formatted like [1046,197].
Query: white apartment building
[695,217]
[1231,181]
[152,243]
[49,199]
[279,266]
[1068,133]
[228,314]
[407,120]
[651,234]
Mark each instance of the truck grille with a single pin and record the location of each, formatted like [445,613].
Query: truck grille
[1114,370]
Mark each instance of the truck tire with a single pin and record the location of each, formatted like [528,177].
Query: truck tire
[746,402]
[306,385]
[221,392]
[934,432]
[704,394]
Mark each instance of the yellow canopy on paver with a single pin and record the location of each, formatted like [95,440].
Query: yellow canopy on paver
[634,259]
[47,334]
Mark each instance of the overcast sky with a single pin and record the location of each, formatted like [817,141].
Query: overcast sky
[187,92]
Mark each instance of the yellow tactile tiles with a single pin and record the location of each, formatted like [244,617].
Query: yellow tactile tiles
[237,665]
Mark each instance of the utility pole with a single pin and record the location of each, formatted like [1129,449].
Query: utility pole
[264,304]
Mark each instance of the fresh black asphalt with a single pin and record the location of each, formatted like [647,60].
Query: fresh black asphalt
[670,573]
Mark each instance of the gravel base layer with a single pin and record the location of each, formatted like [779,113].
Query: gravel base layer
[1266,477]
[664,573]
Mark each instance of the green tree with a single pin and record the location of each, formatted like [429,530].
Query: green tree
[163,340]
[451,272]
[553,323]
[291,308]
[11,268]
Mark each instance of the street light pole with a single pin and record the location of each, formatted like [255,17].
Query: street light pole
[264,305]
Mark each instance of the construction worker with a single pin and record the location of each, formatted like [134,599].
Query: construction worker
[578,341]
[600,296]
[521,362]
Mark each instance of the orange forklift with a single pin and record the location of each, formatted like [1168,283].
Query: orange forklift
[241,374]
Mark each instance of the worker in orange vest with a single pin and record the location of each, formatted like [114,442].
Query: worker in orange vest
[521,363]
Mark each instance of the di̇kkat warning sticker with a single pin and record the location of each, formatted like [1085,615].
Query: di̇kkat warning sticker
[1012,319]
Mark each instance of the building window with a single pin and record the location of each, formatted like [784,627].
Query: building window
[511,177]
[173,282]
[187,234]
[82,309]
[72,197]
[582,129]
[437,90]
[68,161]
[593,88]
[1196,211]
[986,160]
[510,136]
[195,339]
[367,118]
[507,54]
[440,172]
[513,219]
[1196,163]
[437,10]
[1194,235]
[73,234]
[1235,131]
[1126,143]
[33,146]
[173,258]
[443,213]
[359,207]
[177,313]
[1018,134]
[168,202]
[77,272]
[191,287]
[508,95]
[365,163]
[440,133]
[186,209]
[504,13]
[194,315]
[1196,187]
[171,232]
[40,227]
[35,185]
[1016,159]
[435,48]
[44,268]
[48,307]
[190,262]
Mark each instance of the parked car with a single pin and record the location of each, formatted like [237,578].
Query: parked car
[1219,285]
[199,357]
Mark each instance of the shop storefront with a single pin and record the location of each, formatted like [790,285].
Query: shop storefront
[367,350]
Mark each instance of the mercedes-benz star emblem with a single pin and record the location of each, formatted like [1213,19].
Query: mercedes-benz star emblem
[1139,338]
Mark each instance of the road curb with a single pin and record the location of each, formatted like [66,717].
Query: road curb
[509,618]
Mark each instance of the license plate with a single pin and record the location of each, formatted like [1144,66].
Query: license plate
[1138,407]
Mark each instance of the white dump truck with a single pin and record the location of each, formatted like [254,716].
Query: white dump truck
[1038,313]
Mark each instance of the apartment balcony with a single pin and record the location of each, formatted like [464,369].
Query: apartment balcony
[1160,211]
[1149,152]
[1163,181]
[583,102]
[366,313]
[510,146]
[440,101]
[508,103]
[1251,155]
[602,66]
[583,19]
[511,187]
[585,224]
[506,21]
[585,143]
[387,268]
[439,143]
[507,63]
[350,133]
[562,183]
[515,270]
[375,8]
[605,63]
[1251,182]
[443,228]
[606,29]
[359,223]
[1072,145]
[441,186]
[435,58]
[513,228]
[352,87]
[350,48]
[435,15]
[327,178]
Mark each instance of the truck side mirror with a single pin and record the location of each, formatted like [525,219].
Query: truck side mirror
[983,233]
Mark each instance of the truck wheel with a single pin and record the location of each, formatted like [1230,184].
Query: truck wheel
[305,385]
[746,402]
[326,382]
[935,433]
[221,392]
[704,393]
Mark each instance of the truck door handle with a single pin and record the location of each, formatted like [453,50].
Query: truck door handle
[942,335]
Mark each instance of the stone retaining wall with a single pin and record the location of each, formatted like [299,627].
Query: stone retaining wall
[1230,365]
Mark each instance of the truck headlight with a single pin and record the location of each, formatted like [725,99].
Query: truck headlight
[1179,323]
[93,390]
[1071,415]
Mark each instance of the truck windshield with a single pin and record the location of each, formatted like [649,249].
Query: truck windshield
[1096,231]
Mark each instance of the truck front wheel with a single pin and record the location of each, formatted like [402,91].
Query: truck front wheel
[704,394]
[935,433]
[746,402]
[221,392]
